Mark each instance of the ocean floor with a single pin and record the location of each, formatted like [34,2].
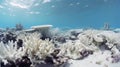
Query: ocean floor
[44,46]
[96,60]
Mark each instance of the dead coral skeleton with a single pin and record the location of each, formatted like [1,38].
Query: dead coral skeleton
[10,51]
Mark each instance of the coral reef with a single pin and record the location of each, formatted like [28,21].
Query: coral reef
[54,48]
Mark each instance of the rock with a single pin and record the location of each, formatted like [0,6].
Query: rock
[55,53]
[49,60]
[9,37]
[2,64]
[44,65]
[115,58]
[23,62]
[73,38]
[60,39]
[98,62]
[104,47]
[75,33]
[105,65]
[19,43]
[9,63]
[118,46]
[84,53]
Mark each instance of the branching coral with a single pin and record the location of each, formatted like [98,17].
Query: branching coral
[71,50]
[85,43]
[34,46]
[10,51]
[39,48]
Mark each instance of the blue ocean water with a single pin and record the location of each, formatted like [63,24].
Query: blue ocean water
[60,13]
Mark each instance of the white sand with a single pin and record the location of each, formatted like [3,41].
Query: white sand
[96,60]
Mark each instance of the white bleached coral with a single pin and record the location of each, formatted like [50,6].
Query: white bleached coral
[87,39]
[85,43]
[10,51]
[39,48]
[27,36]
[35,46]
[97,37]
[91,40]
[29,30]
[87,36]
[41,26]
[71,49]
